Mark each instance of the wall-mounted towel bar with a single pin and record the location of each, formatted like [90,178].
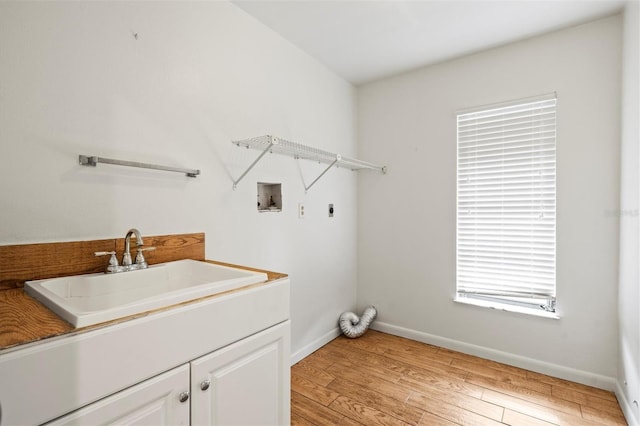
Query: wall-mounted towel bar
[86,160]
[276,145]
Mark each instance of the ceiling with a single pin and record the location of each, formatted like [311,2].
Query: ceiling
[364,40]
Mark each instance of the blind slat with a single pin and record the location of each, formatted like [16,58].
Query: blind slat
[521,123]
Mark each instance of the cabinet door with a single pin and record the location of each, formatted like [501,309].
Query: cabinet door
[153,402]
[245,383]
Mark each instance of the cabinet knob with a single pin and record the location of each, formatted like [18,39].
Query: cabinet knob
[183,397]
[204,385]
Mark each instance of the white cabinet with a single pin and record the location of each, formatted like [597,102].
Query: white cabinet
[161,400]
[246,383]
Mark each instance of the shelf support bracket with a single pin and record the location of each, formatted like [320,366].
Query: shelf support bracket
[272,142]
[306,188]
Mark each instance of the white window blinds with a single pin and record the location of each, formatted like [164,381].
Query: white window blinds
[506,204]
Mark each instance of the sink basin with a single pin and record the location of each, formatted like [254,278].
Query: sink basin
[91,299]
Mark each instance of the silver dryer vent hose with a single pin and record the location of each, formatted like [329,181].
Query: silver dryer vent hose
[352,326]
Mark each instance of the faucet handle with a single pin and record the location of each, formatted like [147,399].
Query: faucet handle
[112,260]
[139,256]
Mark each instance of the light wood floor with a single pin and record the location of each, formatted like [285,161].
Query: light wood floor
[388,380]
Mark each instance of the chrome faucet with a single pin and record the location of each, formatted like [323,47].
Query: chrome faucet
[127,265]
[126,257]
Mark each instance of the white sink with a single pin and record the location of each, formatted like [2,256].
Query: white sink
[91,299]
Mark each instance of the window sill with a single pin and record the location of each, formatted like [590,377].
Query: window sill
[507,308]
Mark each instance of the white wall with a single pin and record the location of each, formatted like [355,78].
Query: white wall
[406,221]
[74,80]
[629,287]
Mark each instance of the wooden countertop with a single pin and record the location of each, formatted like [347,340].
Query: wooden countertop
[24,320]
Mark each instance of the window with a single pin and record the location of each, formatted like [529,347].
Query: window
[506,205]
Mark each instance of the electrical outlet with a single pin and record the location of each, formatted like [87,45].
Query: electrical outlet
[301,211]
[330,210]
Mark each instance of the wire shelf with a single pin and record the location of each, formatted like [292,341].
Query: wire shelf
[275,145]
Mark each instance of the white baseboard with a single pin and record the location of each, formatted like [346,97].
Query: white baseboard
[627,408]
[562,372]
[314,346]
